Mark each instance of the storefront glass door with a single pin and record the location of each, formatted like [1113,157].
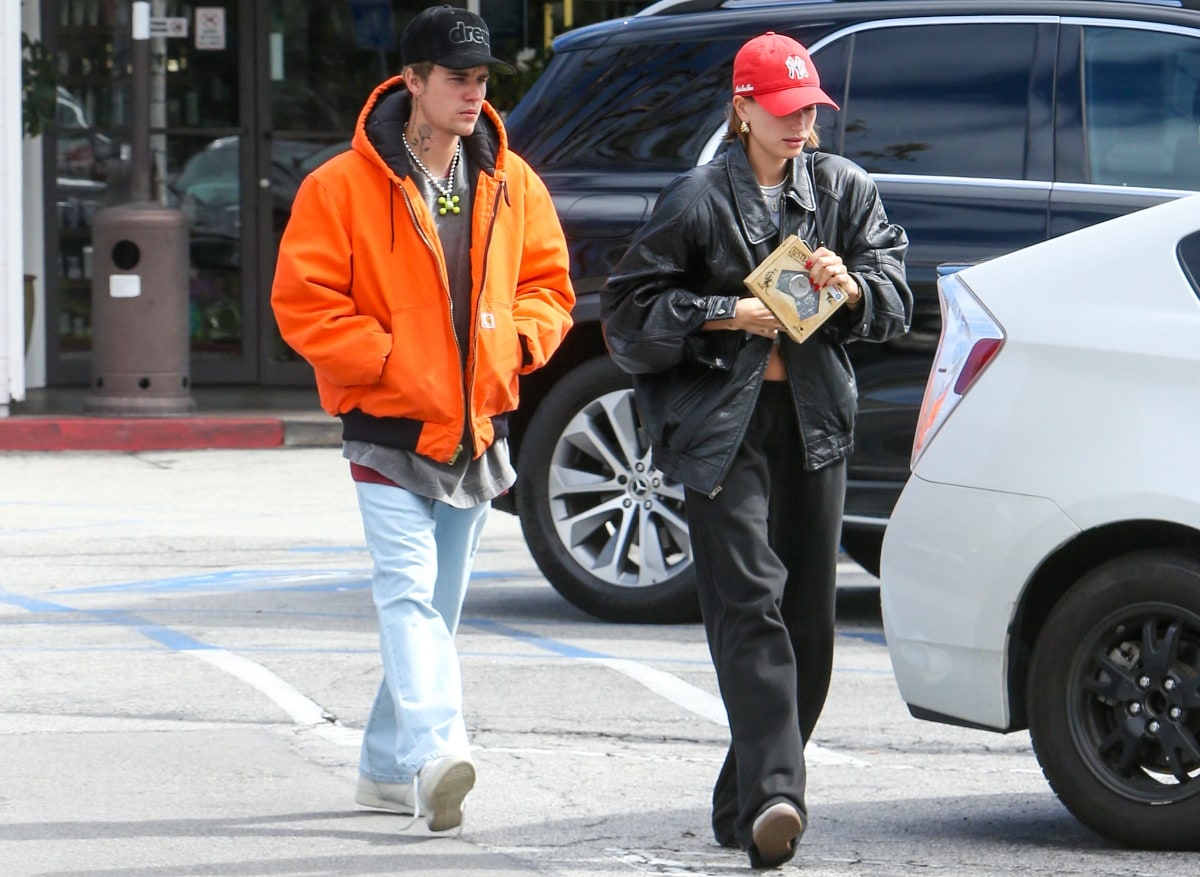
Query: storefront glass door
[247,96]
[199,118]
[318,64]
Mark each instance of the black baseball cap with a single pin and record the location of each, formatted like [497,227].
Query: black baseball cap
[452,37]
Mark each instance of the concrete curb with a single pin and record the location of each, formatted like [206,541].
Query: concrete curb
[71,433]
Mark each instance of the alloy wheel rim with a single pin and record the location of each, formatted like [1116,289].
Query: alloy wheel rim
[1134,704]
[618,516]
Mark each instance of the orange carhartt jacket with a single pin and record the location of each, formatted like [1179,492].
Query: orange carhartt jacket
[361,290]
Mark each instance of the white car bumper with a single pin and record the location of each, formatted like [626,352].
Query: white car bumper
[955,562]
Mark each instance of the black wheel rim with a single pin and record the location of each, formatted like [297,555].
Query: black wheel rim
[618,517]
[1134,703]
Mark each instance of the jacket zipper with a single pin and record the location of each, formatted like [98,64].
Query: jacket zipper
[412,214]
[779,239]
[763,366]
[487,246]
[742,429]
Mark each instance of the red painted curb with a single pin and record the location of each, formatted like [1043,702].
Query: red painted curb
[138,433]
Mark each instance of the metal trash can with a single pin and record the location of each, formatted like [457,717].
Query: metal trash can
[140,355]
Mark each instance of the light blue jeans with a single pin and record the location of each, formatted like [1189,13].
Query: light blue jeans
[423,551]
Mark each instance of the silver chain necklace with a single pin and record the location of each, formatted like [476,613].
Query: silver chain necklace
[447,201]
[771,193]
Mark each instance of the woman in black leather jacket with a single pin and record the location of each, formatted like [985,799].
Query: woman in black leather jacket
[755,426]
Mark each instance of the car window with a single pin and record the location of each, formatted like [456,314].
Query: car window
[1141,107]
[831,62]
[211,176]
[1189,257]
[645,106]
[920,96]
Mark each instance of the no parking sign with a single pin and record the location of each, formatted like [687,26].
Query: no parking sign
[210,27]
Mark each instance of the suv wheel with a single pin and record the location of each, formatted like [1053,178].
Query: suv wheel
[604,526]
[1114,699]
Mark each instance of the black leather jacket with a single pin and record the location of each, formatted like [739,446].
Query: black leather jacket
[695,389]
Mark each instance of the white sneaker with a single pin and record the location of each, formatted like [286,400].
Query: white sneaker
[397,797]
[442,785]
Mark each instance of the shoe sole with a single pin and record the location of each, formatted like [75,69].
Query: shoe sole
[445,802]
[775,834]
[370,799]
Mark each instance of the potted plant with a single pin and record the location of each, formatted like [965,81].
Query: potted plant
[39,85]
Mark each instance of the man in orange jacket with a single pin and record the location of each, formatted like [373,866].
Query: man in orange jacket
[420,274]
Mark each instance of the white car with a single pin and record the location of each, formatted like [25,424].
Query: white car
[1042,566]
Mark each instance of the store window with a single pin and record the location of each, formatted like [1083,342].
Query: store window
[194,88]
[84,155]
[246,98]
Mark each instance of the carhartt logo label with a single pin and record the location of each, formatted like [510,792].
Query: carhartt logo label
[796,67]
[461,33]
[487,320]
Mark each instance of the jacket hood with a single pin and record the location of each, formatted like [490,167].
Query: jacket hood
[379,132]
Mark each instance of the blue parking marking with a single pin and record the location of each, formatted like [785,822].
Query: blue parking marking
[31,604]
[172,639]
[549,645]
[236,579]
[180,642]
[264,580]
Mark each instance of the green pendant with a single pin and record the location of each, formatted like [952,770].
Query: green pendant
[448,205]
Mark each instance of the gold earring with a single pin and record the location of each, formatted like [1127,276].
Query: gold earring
[744,127]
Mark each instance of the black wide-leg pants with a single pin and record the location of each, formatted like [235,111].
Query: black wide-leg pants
[765,549]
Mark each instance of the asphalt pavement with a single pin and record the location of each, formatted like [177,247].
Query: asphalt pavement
[188,652]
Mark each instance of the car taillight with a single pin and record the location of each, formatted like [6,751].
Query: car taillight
[971,338]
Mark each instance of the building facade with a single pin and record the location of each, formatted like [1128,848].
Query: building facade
[12,359]
[245,98]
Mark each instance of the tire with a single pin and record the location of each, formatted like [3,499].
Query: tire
[864,547]
[605,527]
[1114,700]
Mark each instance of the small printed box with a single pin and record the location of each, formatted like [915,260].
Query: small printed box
[783,284]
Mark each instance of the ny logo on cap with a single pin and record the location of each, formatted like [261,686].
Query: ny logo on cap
[796,67]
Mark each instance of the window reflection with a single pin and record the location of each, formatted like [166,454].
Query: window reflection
[1141,97]
[971,124]
[621,88]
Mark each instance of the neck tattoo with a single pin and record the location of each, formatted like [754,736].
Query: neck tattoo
[447,201]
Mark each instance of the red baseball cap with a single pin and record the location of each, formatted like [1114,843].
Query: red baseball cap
[778,73]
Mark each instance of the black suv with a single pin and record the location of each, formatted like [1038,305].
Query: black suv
[988,126]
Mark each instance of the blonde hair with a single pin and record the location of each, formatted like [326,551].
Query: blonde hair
[734,125]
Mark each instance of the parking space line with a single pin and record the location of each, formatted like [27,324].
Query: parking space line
[305,712]
[666,685]
[299,708]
